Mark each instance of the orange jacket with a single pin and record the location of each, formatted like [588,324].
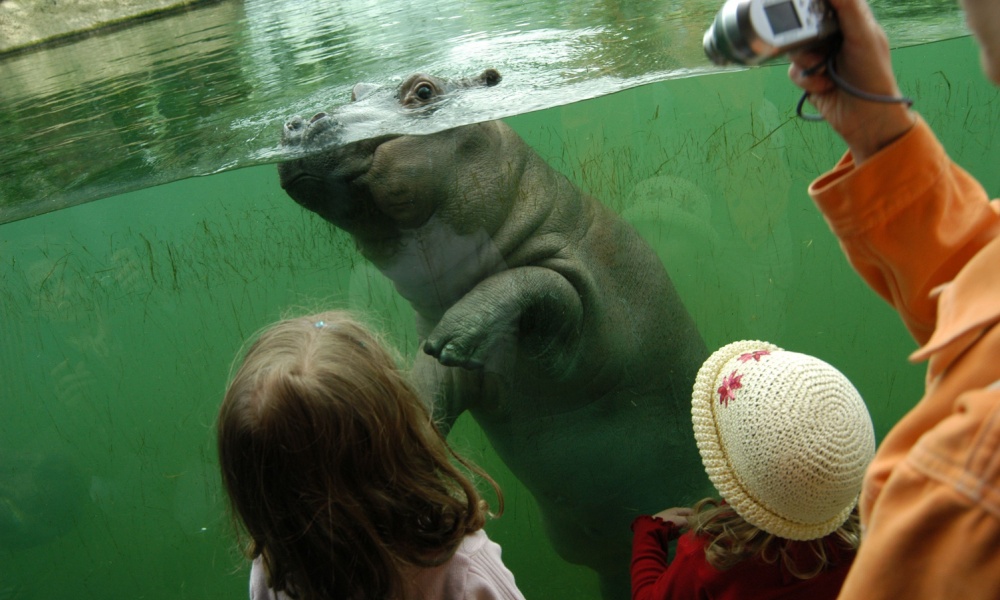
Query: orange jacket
[923,233]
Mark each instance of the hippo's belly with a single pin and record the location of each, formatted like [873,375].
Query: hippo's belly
[434,266]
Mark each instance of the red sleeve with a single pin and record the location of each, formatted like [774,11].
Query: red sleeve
[654,576]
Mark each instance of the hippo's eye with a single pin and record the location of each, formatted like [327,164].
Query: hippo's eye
[425,91]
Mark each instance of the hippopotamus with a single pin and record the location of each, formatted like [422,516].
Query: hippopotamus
[540,312]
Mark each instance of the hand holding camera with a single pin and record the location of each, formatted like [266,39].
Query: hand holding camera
[750,32]
[855,90]
[840,58]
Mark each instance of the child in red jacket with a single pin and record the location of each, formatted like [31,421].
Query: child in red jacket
[785,439]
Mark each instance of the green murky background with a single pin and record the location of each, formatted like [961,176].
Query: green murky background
[121,317]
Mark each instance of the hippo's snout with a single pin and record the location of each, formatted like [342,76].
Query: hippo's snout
[291,133]
[319,131]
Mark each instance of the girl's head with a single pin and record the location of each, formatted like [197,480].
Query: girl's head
[785,438]
[334,466]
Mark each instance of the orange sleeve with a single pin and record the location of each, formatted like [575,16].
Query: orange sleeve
[934,531]
[908,220]
[923,234]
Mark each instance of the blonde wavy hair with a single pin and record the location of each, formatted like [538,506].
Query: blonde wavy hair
[334,467]
[732,539]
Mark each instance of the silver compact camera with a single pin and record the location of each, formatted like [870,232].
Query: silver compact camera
[750,32]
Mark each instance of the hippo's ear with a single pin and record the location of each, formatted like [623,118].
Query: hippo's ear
[489,77]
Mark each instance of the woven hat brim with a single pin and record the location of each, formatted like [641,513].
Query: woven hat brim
[718,465]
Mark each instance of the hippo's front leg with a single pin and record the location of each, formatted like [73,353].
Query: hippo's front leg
[535,302]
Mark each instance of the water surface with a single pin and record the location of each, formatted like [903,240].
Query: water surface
[207,90]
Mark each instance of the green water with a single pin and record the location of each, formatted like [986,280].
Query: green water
[122,316]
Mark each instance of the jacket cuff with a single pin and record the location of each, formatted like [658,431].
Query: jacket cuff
[854,198]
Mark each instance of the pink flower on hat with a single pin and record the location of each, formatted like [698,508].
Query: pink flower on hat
[755,355]
[727,391]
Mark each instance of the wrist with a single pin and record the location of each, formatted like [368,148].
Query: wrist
[667,531]
[879,132]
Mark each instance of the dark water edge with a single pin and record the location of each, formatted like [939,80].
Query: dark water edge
[122,315]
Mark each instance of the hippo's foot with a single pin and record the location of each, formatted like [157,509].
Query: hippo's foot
[471,341]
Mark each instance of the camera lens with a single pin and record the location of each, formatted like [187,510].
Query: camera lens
[712,48]
[716,43]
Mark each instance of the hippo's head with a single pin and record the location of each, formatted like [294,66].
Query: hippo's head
[375,186]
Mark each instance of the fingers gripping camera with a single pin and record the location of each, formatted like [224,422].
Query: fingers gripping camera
[750,32]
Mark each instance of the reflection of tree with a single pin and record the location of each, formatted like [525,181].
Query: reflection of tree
[641,37]
[125,110]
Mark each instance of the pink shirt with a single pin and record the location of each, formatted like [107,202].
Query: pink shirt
[475,572]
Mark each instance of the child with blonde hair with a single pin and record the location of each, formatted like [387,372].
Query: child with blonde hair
[785,439]
[342,482]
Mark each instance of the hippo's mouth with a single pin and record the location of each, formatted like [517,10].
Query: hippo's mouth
[289,181]
[342,164]
[324,130]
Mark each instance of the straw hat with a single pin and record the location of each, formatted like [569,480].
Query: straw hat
[785,438]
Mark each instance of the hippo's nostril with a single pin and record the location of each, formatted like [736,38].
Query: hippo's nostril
[294,123]
[317,117]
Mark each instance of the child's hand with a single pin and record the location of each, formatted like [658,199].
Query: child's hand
[678,516]
[864,62]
